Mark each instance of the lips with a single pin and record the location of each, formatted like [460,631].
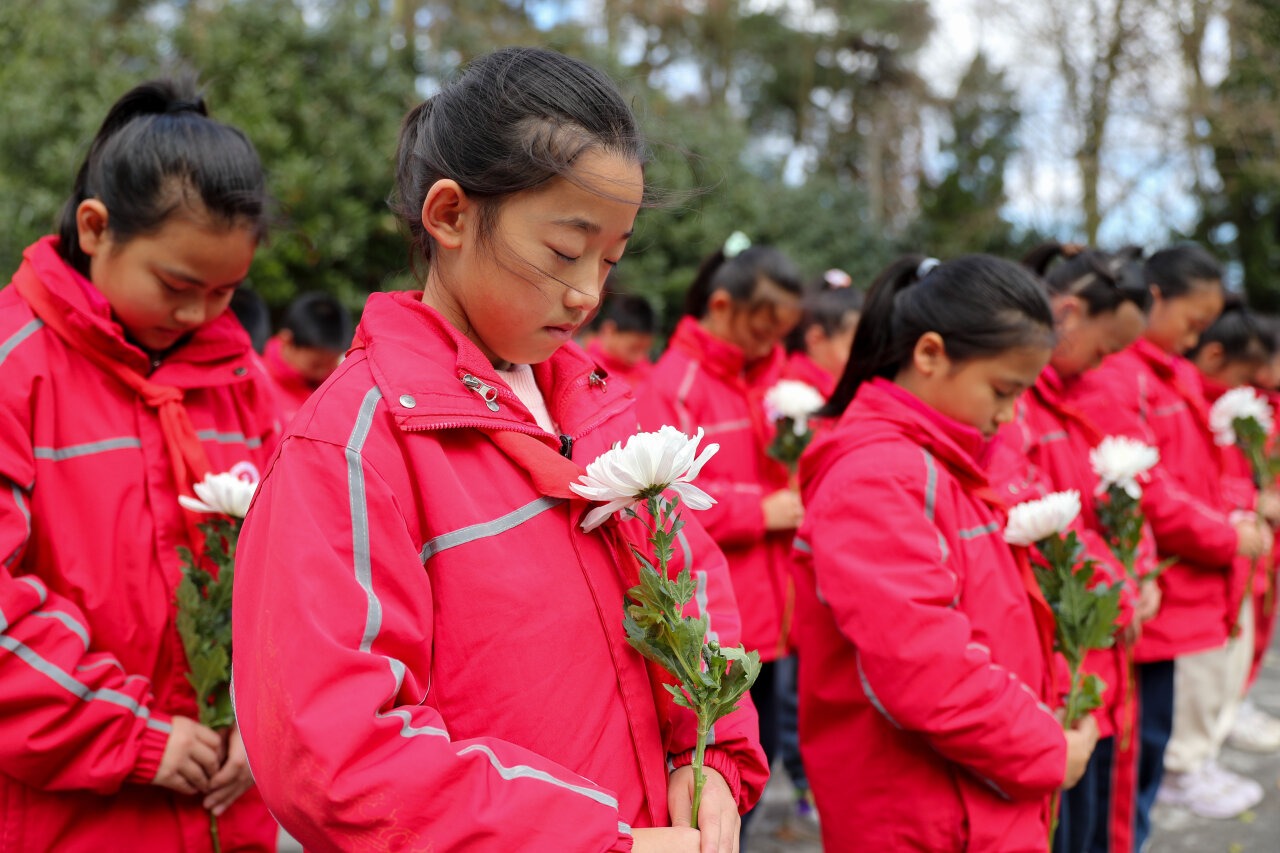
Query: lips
[563,332]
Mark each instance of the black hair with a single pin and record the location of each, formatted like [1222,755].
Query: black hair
[251,310]
[628,313]
[1177,269]
[1097,278]
[317,320]
[826,307]
[158,151]
[980,305]
[740,276]
[515,119]
[1244,336]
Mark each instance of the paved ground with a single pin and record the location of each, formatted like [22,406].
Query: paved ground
[1177,831]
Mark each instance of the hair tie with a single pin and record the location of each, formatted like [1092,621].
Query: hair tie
[736,245]
[837,279]
[185,107]
[927,266]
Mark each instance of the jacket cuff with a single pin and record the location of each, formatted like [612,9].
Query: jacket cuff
[624,844]
[151,750]
[721,762]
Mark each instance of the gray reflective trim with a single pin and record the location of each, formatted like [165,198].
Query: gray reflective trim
[1166,411]
[18,337]
[37,585]
[727,426]
[30,657]
[802,546]
[930,485]
[521,771]
[228,438]
[58,454]
[871,694]
[72,625]
[1050,437]
[85,667]
[410,730]
[26,517]
[975,532]
[623,829]
[484,529]
[360,517]
[943,547]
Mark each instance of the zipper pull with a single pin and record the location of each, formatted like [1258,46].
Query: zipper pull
[566,447]
[597,378]
[487,392]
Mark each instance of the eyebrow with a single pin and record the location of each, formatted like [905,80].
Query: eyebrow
[585,225]
[181,276]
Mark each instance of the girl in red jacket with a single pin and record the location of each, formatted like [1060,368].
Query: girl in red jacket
[818,348]
[123,380]
[926,662]
[430,649]
[1046,448]
[1229,354]
[1152,393]
[725,354]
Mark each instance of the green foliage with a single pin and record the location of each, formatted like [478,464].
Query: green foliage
[787,446]
[1122,518]
[204,620]
[711,679]
[1084,614]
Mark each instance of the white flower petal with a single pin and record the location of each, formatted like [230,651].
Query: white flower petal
[1239,403]
[1035,520]
[693,497]
[194,505]
[224,494]
[792,399]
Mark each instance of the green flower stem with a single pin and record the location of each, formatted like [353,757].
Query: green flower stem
[213,833]
[699,753]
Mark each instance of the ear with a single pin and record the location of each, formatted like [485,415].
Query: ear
[91,226]
[448,213]
[1068,311]
[929,358]
[814,337]
[1212,357]
[719,302]
[286,337]
[1156,296]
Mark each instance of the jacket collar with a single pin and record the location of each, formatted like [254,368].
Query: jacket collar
[433,377]
[217,353]
[960,447]
[725,360]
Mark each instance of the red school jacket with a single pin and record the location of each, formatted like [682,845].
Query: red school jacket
[435,652]
[1157,398]
[91,666]
[924,644]
[702,381]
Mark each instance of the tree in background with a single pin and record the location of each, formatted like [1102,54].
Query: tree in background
[961,210]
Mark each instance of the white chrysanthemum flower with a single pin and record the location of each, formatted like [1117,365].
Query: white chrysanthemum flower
[1035,520]
[795,400]
[648,464]
[1242,402]
[221,494]
[1121,461]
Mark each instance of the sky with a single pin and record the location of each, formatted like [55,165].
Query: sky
[1152,179]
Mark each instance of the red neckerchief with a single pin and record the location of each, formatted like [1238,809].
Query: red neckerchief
[41,264]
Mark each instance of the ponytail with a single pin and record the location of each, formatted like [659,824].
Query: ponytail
[1097,278]
[1243,335]
[980,305]
[157,150]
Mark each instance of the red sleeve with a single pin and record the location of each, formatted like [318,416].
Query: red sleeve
[1182,524]
[330,699]
[885,578]
[735,752]
[70,717]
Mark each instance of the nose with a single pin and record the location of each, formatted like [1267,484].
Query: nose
[1004,414]
[583,295]
[190,313]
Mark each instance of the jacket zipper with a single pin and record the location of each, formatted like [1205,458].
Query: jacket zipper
[485,391]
